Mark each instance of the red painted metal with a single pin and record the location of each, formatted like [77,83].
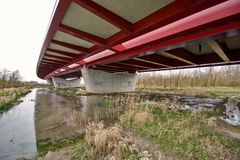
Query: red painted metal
[96,56]
[64,53]
[158,45]
[209,15]
[58,57]
[71,46]
[53,60]
[57,18]
[145,38]
[217,12]
[184,54]
[105,14]
[172,12]
[82,35]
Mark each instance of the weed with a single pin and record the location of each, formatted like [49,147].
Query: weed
[183,133]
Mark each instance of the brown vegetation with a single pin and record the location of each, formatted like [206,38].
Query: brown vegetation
[202,77]
[10,79]
[9,95]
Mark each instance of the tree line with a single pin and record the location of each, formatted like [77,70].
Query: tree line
[10,79]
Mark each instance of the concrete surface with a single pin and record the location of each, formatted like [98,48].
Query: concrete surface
[97,81]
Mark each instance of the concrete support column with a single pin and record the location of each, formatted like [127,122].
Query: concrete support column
[50,81]
[97,81]
[62,83]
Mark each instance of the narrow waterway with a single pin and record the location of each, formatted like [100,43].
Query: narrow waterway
[44,114]
[17,132]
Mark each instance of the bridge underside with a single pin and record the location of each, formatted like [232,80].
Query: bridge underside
[122,37]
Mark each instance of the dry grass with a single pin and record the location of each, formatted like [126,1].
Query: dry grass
[10,79]
[143,117]
[64,154]
[204,77]
[10,95]
[217,150]
[109,143]
[185,134]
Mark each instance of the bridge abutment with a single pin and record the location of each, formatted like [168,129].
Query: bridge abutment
[63,83]
[97,81]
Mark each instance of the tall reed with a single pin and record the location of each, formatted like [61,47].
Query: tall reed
[228,76]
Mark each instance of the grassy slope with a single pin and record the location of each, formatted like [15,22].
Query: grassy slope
[198,91]
[8,105]
[185,134]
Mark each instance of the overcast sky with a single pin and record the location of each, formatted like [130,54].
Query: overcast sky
[22,31]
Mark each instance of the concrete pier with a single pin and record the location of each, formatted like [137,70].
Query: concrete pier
[63,83]
[97,81]
[50,81]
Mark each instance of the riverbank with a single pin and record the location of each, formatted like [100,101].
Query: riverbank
[9,96]
[195,91]
[150,129]
[71,91]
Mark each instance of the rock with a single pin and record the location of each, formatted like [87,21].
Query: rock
[232,111]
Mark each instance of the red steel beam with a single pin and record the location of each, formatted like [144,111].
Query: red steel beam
[64,53]
[105,14]
[49,62]
[68,45]
[153,23]
[118,67]
[183,54]
[130,66]
[53,60]
[156,58]
[82,35]
[140,63]
[106,68]
[57,18]
[172,12]
[158,44]
[194,7]
[59,57]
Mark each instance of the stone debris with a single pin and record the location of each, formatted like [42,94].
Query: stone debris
[193,103]
[232,116]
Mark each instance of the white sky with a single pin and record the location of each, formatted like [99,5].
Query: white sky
[23,25]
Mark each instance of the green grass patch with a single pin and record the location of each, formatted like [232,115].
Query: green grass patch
[183,133]
[84,151]
[8,105]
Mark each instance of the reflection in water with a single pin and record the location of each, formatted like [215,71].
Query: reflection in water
[17,133]
[59,116]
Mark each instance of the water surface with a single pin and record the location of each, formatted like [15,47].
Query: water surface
[17,132]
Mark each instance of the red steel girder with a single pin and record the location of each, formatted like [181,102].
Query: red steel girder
[171,16]
[68,45]
[158,44]
[58,57]
[166,15]
[53,60]
[105,14]
[57,18]
[64,53]
[82,35]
